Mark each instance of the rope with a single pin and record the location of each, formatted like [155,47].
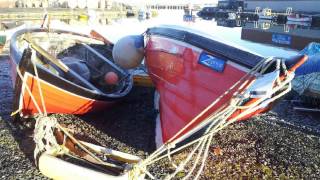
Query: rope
[216,121]
[44,127]
[24,84]
[219,119]
[38,82]
[246,80]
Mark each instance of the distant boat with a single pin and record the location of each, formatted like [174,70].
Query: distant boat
[148,14]
[207,12]
[299,18]
[232,16]
[265,14]
[299,23]
[142,14]
[83,17]
[188,15]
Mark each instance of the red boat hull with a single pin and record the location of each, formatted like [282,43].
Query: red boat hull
[186,87]
[56,100]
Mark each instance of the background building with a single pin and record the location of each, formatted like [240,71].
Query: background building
[82,4]
[7,3]
[310,6]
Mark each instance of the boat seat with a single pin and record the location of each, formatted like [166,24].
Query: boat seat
[291,61]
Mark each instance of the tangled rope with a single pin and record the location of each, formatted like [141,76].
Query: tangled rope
[44,129]
[44,137]
[219,120]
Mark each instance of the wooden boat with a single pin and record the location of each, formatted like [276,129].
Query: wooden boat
[201,83]
[190,71]
[70,67]
[299,18]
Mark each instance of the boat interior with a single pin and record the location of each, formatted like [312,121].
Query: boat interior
[81,60]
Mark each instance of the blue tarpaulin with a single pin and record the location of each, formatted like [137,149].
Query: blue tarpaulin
[313,63]
[307,79]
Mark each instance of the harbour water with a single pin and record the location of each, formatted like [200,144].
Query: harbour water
[213,27]
[262,37]
[121,27]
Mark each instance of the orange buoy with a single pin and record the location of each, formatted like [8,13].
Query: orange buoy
[111,78]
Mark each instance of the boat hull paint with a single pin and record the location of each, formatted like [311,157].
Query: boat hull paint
[60,95]
[186,87]
[56,100]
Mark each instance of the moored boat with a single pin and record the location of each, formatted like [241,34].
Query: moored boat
[142,14]
[64,72]
[299,18]
[266,13]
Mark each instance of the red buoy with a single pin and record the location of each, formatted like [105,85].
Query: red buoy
[111,78]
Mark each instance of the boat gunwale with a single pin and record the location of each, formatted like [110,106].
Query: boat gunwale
[209,45]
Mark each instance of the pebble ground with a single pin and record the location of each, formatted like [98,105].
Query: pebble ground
[281,144]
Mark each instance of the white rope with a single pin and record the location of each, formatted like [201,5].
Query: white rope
[195,163]
[44,127]
[24,84]
[183,164]
[44,137]
[251,73]
[219,120]
[204,157]
[38,82]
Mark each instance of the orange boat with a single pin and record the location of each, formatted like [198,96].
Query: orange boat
[72,68]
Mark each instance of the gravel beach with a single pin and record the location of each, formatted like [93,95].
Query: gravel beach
[281,144]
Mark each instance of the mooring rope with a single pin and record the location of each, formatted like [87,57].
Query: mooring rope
[215,121]
[219,119]
[45,125]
